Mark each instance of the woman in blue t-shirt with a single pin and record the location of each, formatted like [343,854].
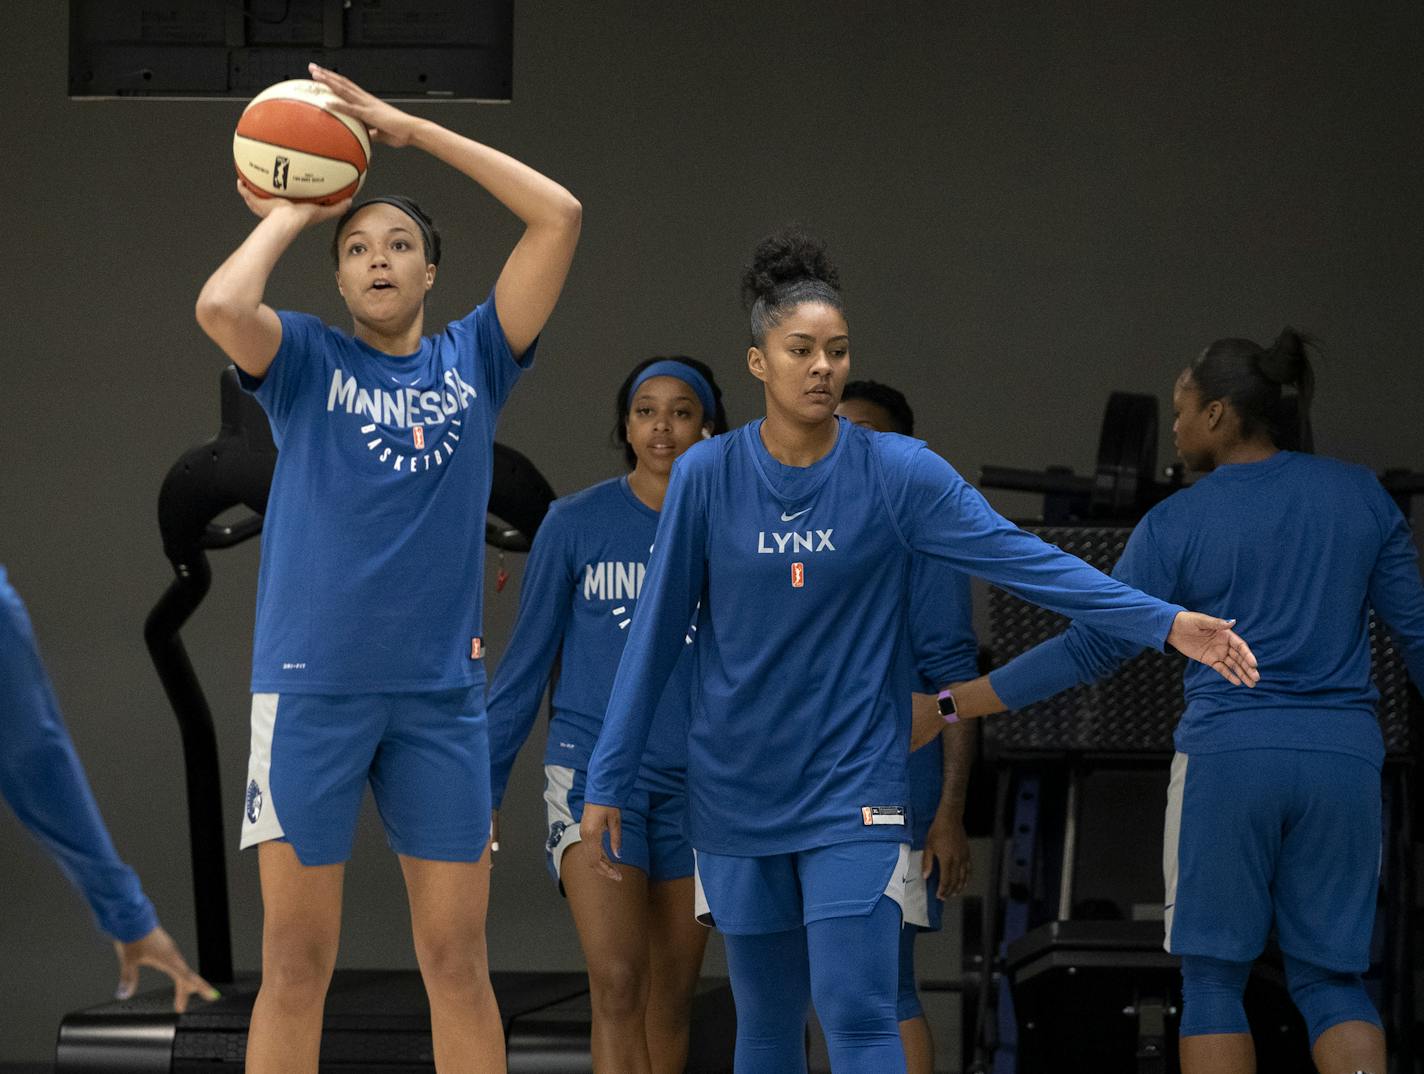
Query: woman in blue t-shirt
[580,591]
[790,540]
[1273,813]
[368,655]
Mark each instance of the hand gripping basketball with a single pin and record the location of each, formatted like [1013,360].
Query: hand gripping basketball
[387,123]
[1212,642]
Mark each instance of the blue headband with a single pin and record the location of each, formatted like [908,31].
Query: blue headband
[689,376]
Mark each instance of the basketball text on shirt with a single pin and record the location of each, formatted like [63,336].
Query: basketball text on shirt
[611,580]
[404,407]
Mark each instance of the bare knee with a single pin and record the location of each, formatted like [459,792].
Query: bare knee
[670,1011]
[297,966]
[618,988]
[453,966]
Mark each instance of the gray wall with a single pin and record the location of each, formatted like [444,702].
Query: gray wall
[1030,206]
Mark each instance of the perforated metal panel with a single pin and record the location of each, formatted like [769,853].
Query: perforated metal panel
[1136,710]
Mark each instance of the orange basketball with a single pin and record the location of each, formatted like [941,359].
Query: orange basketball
[289,144]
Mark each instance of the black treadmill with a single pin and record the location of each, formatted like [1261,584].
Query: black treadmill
[376,1022]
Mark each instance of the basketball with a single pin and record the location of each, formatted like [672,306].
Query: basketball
[289,144]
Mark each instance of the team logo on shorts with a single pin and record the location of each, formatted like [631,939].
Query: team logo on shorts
[419,434]
[556,835]
[254,801]
[798,575]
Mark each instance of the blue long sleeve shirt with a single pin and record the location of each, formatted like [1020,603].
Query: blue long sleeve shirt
[944,650]
[799,727]
[41,779]
[577,601]
[1297,548]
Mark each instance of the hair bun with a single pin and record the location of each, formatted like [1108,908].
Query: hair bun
[1285,361]
[786,257]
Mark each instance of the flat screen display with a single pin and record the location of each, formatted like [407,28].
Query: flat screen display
[398,49]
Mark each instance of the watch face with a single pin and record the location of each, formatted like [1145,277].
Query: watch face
[946,705]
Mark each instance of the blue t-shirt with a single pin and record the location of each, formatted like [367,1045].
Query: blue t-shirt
[944,650]
[41,779]
[1297,548]
[576,603]
[373,542]
[799,730]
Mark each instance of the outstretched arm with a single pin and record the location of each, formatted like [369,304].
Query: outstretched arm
[534,275]
[951,520]
[43,782]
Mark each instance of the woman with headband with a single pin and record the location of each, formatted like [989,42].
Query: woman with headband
[368,655]
[579,595]
[790,541]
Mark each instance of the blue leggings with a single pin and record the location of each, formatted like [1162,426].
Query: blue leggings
[849,966]
[907,1003]
[1212,990]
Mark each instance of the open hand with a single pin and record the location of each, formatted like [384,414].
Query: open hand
[598,819]
[386,122]
[158,951]
[1212,642]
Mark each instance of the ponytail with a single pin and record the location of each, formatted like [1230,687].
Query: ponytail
[1252,378]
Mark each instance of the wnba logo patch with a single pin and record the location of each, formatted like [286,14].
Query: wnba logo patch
[798,575]
[279,173]
[556,835]
[477,648]
[254,802]
[419,433]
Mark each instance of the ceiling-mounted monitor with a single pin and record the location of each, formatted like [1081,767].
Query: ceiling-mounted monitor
[405,50]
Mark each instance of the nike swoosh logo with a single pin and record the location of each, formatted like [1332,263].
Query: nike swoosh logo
[788,518]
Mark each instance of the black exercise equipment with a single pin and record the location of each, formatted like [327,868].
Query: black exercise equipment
[376,1022]
[1124,485]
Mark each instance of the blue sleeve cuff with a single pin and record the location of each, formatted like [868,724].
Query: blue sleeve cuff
[1041,672]
[132,922]
[1168,616]
[934,675]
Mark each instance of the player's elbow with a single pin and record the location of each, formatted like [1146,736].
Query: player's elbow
[215,316]
[568,213]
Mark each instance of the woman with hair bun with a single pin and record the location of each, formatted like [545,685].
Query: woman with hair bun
[1273,813]
[580,590]
[790,540]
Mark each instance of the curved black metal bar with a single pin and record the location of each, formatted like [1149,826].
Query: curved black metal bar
[232,469]
[200,762]
[519,500]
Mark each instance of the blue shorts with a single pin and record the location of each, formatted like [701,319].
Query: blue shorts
[654,827]
[924,909]
[750,896]
[426,756]
[1273,837]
